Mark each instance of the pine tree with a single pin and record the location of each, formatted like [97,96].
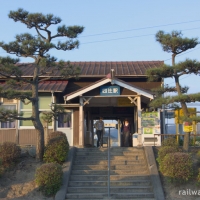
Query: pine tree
[36,47]
[175,44]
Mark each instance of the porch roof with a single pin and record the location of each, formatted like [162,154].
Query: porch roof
[105,80]
[44,86]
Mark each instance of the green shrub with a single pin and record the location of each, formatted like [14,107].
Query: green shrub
[9,153]
[56,150]
[194,141]
[181,142]
[177,166]
[1,168]
[56,134]
[198,177]
[49,178]
[170,141]
[164,150]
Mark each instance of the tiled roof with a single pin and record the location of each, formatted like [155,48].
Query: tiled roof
[101,69]
[44,86]
[128,68]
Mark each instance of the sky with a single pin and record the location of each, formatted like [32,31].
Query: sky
[115,30]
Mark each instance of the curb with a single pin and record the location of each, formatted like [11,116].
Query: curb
[155,178]
[60,195]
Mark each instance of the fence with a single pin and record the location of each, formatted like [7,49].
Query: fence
[194,138]
[171,128]
[20,136]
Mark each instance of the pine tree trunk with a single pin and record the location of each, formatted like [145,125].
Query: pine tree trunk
[186,142]
[40,144]
[36,115]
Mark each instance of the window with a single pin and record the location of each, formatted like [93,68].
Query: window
[29,122]
[8,124]
[64,120]
[44,105]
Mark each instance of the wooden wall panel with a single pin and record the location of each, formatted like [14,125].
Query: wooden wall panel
[27,137]
[8,135]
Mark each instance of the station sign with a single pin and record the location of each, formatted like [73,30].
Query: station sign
[109,90]
[179,114]
[187,127]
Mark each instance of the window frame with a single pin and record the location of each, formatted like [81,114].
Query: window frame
[30,110]
[15,121]
[59,128]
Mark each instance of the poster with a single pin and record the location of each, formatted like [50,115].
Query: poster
[151,122]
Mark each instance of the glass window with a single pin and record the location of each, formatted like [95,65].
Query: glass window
[23,106]
[64,120]
[26,122]
[44,102]
[29,122]
[8,124]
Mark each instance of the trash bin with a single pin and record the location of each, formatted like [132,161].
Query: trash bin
[135,139]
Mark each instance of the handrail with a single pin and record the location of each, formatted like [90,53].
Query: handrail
[108,161]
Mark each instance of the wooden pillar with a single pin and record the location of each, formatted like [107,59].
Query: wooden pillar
[92,129]
[16,132]
[139,120]
[119,133]
[53,100]
[135,120]
[81,128]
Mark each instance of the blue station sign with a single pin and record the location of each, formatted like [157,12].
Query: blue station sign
[109,90]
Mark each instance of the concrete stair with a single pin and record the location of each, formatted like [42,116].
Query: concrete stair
[129,174]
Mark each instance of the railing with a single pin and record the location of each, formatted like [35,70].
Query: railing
[193,142]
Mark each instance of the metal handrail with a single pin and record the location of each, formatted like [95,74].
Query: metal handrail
[109,162]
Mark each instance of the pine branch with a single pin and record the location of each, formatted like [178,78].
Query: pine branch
[12,115]
[158,102]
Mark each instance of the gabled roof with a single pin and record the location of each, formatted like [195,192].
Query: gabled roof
[101,69]
[44,86]
[105,80]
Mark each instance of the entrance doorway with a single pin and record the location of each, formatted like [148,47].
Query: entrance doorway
[114,126]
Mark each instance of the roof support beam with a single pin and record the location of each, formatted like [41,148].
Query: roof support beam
[86,101]
[91,87]
[133,100]
[134,89]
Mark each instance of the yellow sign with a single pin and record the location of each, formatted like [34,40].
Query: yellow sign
[187,128]
[179,113]
[124,102]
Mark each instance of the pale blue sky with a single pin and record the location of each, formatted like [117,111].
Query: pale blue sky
[115,30]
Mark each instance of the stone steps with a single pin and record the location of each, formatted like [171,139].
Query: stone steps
[112,183]
[112,162]
[146,196]
[129,175]
[132,167]
[116,189]
[112,172]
